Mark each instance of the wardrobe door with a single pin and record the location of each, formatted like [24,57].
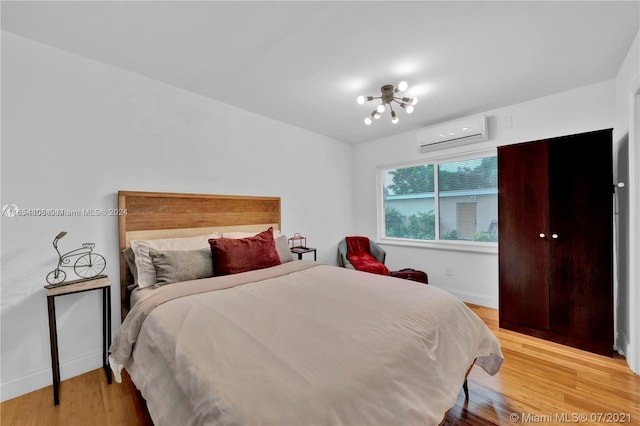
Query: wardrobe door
[580,244]
[522,218]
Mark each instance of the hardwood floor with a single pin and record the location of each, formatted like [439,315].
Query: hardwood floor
[85,400]
[539,382]
[546,383]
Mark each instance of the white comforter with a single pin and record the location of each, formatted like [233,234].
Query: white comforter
[301,344]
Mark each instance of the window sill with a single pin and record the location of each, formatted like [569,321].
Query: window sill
[461,246]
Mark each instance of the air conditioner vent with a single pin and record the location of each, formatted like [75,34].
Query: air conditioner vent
[453,133]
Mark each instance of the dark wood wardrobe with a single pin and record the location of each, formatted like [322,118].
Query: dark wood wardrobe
[555,216]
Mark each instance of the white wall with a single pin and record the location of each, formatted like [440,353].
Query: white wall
[475,275]
[626,138]
[75,131]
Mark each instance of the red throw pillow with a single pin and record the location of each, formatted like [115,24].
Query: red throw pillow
[231,255]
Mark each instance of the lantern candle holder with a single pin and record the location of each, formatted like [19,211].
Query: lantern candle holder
[297,241]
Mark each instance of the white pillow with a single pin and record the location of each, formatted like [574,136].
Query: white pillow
[282,246]
[144,264]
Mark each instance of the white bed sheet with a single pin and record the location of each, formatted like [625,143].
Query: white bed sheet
[313,344]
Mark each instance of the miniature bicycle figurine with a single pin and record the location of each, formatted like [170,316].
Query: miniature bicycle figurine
[87,264]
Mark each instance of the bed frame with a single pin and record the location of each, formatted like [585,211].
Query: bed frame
[154,215]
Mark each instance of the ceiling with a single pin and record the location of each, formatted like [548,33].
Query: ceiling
[304,63]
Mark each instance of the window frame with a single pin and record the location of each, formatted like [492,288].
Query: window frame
[436,159]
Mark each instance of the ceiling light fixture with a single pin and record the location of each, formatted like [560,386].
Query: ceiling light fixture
[387,97]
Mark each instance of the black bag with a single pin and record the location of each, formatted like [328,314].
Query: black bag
[411,274]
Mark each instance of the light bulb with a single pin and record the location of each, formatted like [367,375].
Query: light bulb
[380,108]
[361,100]
[376,115]
[402,86]
[408,109]
[394,117]
[367,120]
[414,101]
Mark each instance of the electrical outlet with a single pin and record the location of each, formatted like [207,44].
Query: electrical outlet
[448,271]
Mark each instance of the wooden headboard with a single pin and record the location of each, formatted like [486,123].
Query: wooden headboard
[153,215]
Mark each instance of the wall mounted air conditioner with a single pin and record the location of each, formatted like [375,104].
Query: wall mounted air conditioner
[453,133]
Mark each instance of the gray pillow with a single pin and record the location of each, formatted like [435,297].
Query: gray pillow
[173,266]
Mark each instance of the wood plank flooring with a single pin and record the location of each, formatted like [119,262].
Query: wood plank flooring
[85,400]
[540,382]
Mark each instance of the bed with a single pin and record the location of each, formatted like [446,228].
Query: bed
[290,343]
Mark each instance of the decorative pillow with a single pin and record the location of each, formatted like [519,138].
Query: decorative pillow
[173,266]
[282,244]
[144,265]
[235,255]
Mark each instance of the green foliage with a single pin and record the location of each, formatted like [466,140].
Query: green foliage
[418,226]
[412,180]
[451,235]
[485,236]
[484,175]
[420,179]
[422,226]
[394,223]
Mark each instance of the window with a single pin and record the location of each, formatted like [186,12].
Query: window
[442,200]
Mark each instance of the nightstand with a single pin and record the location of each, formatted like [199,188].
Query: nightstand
[302,250]
[98,283]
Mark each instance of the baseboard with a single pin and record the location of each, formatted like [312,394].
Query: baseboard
[622,343]
[472,297]
[43,378]
[623,346]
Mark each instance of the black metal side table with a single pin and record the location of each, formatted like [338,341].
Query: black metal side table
[302,250]
[97,283]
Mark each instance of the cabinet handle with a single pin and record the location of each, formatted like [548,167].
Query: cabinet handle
[542,235]
[554,236]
